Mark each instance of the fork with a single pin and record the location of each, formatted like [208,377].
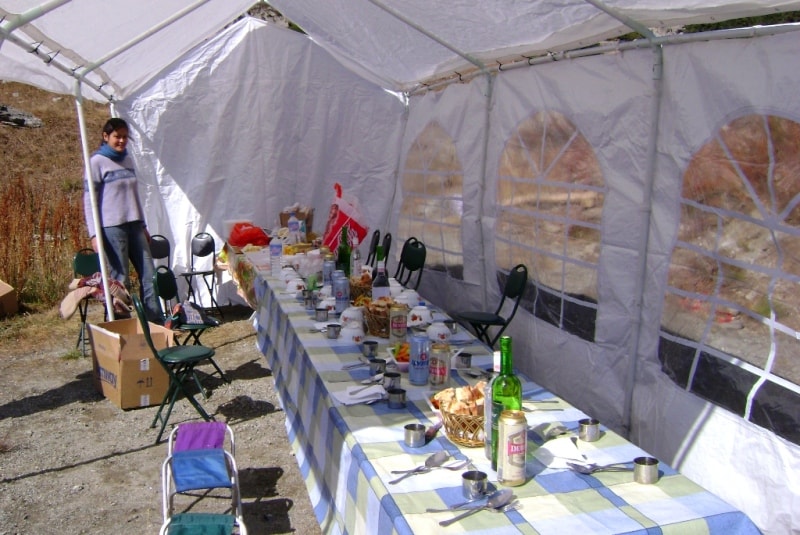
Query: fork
[513,506]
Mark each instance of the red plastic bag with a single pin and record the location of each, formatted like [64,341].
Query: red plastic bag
[344,211]
[243,234]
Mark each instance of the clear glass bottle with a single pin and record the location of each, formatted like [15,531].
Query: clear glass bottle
[355,259]
[380,284]
[343,252]
[506,391]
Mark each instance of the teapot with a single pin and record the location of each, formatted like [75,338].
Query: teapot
[419,316]
[329,303]
[352,332]
[295,285]
[352,315]
[438,332]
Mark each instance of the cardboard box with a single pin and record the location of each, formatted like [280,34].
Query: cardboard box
[125,370]
[8,300]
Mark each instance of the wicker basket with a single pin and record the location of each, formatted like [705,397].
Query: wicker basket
[377,325]
[463,429]
[359,290]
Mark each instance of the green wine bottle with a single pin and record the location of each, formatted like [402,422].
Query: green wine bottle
[506,392]
[343,252]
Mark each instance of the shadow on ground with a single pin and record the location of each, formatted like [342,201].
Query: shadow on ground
[80,390]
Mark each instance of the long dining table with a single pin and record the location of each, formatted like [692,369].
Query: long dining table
[347,452]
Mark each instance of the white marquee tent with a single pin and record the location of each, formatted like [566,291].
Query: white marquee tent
[240,120]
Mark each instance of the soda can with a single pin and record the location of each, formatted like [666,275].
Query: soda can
[512,448]
[328,267]
[419,349]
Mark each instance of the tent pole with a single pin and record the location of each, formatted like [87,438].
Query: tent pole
[484,166]
[87,176]
[646,206]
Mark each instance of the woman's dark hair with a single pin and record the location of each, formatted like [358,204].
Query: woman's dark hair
[113,124]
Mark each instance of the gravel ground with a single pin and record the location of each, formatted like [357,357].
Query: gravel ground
[72,462]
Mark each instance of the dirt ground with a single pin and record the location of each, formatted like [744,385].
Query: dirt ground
[72,462]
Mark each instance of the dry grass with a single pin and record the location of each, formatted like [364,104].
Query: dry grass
[40,192]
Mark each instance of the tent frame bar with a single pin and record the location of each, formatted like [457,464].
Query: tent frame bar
[620,46]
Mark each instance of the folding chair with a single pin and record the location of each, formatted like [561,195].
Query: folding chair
[482,321]
[412,260]
[387,245]
[179,362]
[202,247]
[85,263]
[166,288]
[197,460]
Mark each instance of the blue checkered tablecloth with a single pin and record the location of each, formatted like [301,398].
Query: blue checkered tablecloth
[346,453]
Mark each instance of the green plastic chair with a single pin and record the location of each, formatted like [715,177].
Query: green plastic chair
[85,263]
[179,362]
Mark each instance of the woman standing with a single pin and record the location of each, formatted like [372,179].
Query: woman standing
[124,231]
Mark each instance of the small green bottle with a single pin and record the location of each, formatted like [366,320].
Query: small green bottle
[343,252]
[506,392]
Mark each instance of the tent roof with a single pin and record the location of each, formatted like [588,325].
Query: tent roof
[395,43]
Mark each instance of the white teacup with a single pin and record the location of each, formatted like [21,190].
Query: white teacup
[438,332]
[352,332]
[326,291]
[395,288]
[353,315]
[420,316]
[295,285]
[329,303]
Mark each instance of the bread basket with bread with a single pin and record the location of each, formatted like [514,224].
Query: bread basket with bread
[461,409]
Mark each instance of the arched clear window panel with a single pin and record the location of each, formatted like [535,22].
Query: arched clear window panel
[432,200]
[733,279]
[550,200]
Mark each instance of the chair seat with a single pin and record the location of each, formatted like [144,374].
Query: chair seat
[200,524]
[200,469]
[183,354]
[486,318]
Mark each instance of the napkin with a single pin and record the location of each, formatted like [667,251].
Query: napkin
[349,397]
[557,452]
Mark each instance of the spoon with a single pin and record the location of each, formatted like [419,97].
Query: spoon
[592,468]
[496,500]
[425,470]
[437,459]
[454,507]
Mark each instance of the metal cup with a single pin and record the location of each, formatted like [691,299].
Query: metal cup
[397,398]
[333,330]
[377,366]
[370,349]
[452,325]
[391,380]
[308,299]
[463,360]
[414,435]
[588,429]
[645,470]
[322,313]
[473,484]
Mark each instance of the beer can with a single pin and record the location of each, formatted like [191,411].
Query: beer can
[341,291]
[439,365]
[398,323]
[512,448]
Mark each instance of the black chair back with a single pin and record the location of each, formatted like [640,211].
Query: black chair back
[412,260]
[160,247]
[514,288]
[373,248]
[166,286]
[387,245]
[137,304]
[202,246]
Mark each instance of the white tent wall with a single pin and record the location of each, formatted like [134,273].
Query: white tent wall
[609,100]
[255,120]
